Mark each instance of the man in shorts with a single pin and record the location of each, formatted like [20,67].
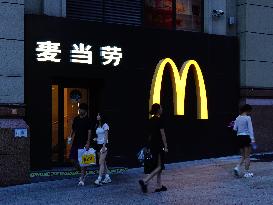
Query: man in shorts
[81,135]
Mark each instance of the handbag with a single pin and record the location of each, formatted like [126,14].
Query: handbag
[148,162]
[141,156]
[86,157]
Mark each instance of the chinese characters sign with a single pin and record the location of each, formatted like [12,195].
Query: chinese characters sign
[79,53]
[111,54]
[48,51]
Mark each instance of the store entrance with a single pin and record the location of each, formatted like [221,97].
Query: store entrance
[65,104]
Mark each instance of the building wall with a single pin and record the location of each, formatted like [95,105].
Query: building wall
[255,31]
[220,25]
[115,90]
[262,116]
[231,12]
[47,7]
[33,6]
[254,27]
[14,164]
[12,52]
[55,8]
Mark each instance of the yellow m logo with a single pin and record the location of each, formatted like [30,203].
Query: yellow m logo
[179,80]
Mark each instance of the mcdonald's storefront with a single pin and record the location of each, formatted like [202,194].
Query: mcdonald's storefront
[121,70]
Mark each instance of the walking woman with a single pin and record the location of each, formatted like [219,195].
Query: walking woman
[102,129]
[158,147]
[245,136]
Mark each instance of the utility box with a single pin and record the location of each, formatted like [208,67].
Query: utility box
[14,152]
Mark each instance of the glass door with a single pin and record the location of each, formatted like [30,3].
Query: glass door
[72,99]
[55,123]
[65,104]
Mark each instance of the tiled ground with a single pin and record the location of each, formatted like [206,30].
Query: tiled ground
[201,182]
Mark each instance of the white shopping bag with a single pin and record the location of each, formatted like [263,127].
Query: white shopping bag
[86,157]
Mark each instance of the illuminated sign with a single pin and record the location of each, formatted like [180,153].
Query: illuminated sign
[110,54]
[80,53]
[48,51]
[179,80]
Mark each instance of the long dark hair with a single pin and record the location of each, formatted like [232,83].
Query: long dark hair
[155,109]
[102,120]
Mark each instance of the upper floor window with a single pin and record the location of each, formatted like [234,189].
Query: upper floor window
[167,14]
[188,15]
[158,13]
[170,14]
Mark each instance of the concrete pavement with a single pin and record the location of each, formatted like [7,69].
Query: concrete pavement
[203,182]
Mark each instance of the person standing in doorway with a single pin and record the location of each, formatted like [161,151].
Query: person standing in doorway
[81,136]
[102,131]
[158,146]
[245,136]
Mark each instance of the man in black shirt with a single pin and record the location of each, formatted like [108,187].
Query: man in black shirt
[81,135]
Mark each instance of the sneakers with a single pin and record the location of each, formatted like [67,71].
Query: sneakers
[81,183]
[82,179]
[248,174]
[163,188]
[107,180]
[236,171]
[143,186]
[98,182]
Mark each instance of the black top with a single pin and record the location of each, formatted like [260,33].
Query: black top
[155,124]
[80,127]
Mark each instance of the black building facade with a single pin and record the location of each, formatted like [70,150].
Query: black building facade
[121,88]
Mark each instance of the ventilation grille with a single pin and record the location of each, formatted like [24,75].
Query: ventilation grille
[109,11]
[85,9]
[123,11]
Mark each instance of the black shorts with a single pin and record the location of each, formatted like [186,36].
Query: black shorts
[243,141]
[98,147]
[152,164]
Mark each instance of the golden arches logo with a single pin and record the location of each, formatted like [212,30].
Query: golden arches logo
[179,80]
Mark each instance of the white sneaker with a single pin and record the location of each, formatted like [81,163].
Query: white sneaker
[107,180]
[236,171]
[248,174]
[98,182]
[81,183]
[82,179]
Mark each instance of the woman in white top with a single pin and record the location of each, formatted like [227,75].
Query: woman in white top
[245,137]
[102,129]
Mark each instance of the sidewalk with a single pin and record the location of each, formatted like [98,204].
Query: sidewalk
[201,182]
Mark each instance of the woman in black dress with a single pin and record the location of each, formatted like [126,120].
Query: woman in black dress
[158,146]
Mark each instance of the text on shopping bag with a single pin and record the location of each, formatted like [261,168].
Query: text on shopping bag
[88,159]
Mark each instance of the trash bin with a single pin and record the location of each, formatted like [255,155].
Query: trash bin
[14,152]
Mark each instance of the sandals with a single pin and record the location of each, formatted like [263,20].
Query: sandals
[163,188]
[143,186]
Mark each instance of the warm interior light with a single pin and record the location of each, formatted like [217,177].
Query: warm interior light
[179,80]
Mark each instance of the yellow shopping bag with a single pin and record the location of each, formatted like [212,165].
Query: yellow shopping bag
[86,157]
